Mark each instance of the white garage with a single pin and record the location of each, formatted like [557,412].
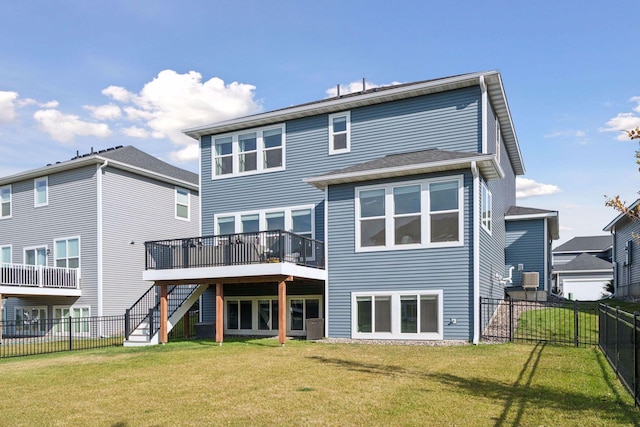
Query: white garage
[584,290]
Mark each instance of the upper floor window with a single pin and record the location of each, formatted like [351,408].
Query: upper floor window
[409,215]
[298,219]
[36,255]
[41,191]
[67,253]
[5,201]
[248,152]
[486,208]
[5,254]
[182,203]
[340,133]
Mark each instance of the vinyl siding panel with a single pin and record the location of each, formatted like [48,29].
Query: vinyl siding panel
[492,245]
[71,212]
[525,242]
[627,277]
[136,209]
[449,269]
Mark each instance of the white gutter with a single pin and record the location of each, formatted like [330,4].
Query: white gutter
[545,283]
[326,261]
[476,253]
[100,231]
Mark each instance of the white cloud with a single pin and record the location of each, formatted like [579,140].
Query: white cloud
[354,87]
[624,121]
[30,101]
[65,127]
[7,106]
[526,187]
[172,102]
[104,112]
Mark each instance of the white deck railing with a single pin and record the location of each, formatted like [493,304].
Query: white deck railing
[39,276]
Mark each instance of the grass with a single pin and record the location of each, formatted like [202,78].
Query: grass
[558,324]
[257,382]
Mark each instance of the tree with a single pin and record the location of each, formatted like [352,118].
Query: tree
[615,202]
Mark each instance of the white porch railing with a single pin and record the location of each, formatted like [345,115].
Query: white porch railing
[39,276]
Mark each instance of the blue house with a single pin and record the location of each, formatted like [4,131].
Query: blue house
[386,213]
[625,256]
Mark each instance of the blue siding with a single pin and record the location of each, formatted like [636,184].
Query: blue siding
[525,243]
[449,269]
[627,277]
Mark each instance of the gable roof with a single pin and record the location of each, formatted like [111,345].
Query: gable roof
[519,213]
[586,244]
[412,163]
[622,216]
[584,262]
[126,158]
[491,80]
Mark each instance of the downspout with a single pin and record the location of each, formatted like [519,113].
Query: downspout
[200,299]
[615,261]
[326,261]
[476,253]
[99,246]
[485,105]
[546,253]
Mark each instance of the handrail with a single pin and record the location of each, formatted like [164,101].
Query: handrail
[234,249]
[39,276]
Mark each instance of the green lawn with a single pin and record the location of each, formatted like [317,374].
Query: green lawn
[558,324]
[257,382]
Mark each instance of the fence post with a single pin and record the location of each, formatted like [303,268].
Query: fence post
[635,358]
[510,319]
[70,334]
[617,325]
[576,341]
[127,323]
[150,323]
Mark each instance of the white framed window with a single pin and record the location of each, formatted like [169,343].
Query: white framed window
[31,320]
[35,255]
[61,314]
[5,202]
[245,315]
[498,140]
[66,252]
[249,152]
[183,203]
[486,209]
[409,215]
[397,315]
[41,191]
[5,254]
[340,133]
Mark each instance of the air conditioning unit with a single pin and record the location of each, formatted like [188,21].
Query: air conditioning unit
[530,280]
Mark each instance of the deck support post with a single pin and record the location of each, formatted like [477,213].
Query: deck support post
[282,312]
[164,315]
[219,313]
[186,323]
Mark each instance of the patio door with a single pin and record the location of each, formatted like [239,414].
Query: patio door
[35,256]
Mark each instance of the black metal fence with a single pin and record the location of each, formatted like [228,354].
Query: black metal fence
[564,322]
[234,249]
[40,336]
[619,339]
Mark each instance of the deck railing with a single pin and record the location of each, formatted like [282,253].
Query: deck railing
[39,276]
[234,249]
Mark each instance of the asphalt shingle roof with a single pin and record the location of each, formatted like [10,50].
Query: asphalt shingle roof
[586,244]
[521,210]
[584,262]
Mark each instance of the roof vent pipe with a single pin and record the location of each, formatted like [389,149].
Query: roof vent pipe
[338,91]
[364,85]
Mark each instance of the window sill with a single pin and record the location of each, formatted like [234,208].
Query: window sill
[238,175]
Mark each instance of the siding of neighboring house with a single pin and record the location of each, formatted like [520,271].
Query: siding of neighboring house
[447,269]
[627,277]
[136,209]
[71,212]
[560,259]
[503,192]
[525,241]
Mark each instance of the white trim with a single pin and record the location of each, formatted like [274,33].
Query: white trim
[487,163]
[332,150]
[99,250]
[498,140]
[177,203]
[425,215]
[487,223]
[260,151]
[200,199]
[476,256]
[251,270]
[10,252]
[396,315]
[35,191]
[66,239]
[547,260]
[531,216]
[10,202]
[485,111]
[583,271]
[262,218]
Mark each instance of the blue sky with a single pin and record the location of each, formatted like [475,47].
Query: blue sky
[80,74]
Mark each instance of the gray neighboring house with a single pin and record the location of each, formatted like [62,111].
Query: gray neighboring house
[626,259]
[381,214]
[582,268]
[72,233]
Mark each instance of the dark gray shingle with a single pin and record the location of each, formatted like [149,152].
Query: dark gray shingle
[586,244]
[584,262]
